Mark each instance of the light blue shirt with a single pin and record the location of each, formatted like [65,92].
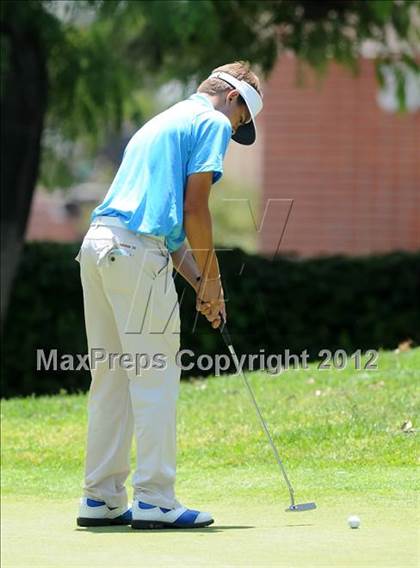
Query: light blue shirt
[147,193]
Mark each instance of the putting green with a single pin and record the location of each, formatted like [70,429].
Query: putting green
[43,534]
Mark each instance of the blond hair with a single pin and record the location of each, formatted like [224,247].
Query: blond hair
[241,70]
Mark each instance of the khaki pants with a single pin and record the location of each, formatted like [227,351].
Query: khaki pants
[131,307]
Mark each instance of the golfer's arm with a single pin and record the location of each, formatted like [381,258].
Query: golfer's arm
[198,224]
[184,263]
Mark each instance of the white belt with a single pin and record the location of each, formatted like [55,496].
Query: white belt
[116,222]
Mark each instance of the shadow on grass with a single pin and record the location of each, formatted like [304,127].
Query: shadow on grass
[127,529]
[301,525]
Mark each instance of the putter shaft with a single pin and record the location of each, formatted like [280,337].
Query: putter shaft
[228,341]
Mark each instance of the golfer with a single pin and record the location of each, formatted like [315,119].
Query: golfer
[158,198]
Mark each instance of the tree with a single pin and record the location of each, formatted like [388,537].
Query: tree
[73,67]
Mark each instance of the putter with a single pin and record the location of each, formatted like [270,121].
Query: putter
[294,507]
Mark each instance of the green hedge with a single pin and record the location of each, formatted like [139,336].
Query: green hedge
[326,303]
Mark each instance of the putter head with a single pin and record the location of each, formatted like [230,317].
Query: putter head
[301,507]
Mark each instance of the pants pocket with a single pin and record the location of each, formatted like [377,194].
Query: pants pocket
[110,250]
[166,260]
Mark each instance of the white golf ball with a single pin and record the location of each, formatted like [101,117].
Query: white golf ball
[353,522]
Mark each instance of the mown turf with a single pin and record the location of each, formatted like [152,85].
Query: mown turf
[41,534]
[335,421]
[339,433]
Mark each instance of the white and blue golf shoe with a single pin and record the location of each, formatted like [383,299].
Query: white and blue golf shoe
[93,513]
[146,516]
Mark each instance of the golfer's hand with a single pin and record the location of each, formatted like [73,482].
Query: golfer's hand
[210,301]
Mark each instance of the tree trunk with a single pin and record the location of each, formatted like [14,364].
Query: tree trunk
[23,105]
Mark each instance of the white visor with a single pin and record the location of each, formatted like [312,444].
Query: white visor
[246,134]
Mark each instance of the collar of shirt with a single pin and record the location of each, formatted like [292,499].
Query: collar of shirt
[201,97]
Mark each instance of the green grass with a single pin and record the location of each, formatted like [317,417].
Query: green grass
[345,424]
[339,433]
